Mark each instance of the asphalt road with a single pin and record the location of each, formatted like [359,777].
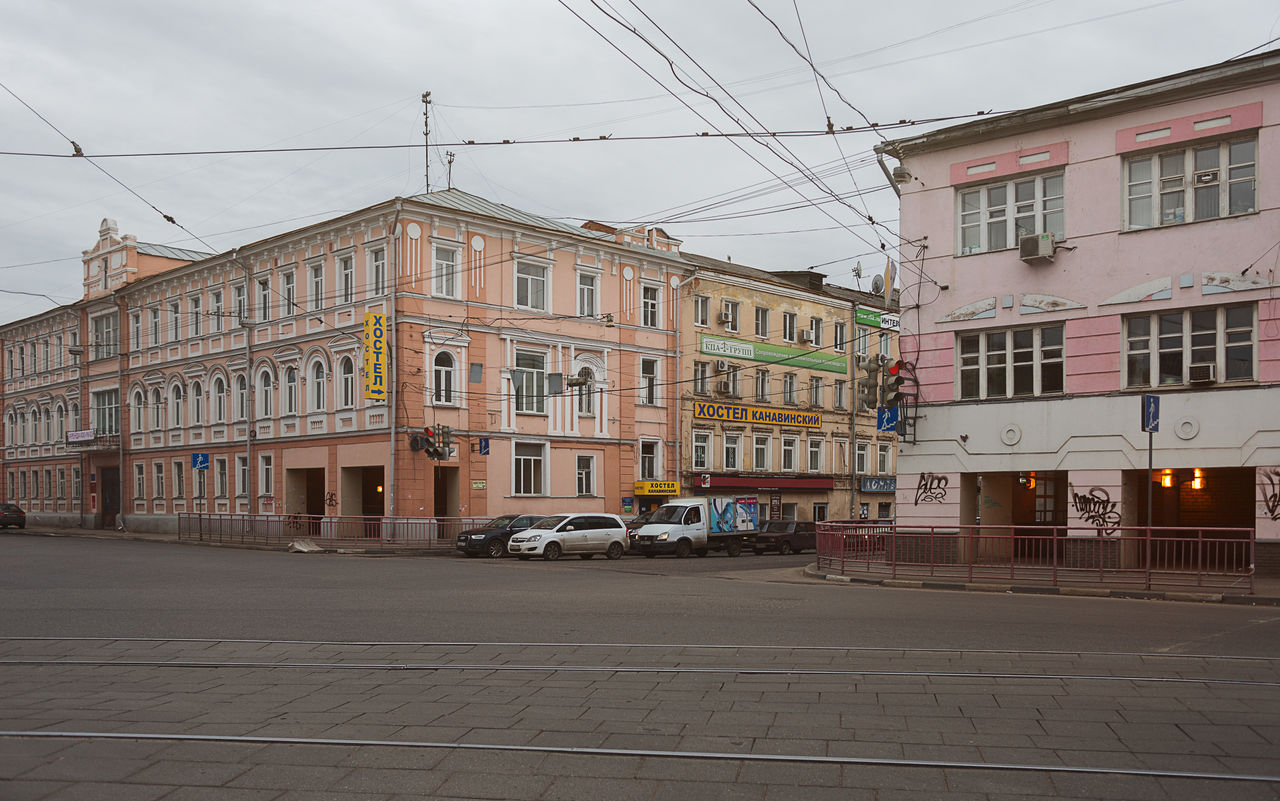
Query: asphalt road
[594,679]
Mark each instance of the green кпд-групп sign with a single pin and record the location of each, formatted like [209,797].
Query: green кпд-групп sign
[772,354]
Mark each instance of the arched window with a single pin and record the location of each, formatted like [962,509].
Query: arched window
[75,415]
[219,400]
[175,406]
[197,403]
[139,410]
[22,428]
[442,376]
[587,392]
[291,390]
[347,372]
[242,398]
[48,424]
[60,420]
[157,410]
[265,405]
[8,429]
[317,387]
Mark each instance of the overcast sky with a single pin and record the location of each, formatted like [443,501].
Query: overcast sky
[150,76]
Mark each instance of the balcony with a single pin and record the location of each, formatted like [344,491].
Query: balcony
[89,441]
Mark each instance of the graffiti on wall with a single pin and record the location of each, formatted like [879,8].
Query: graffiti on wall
[1271,491]
[1097,509]
[932,488]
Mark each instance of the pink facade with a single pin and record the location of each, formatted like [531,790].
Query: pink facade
[1080,255]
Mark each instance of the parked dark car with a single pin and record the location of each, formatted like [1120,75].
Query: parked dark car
[634,525]
[491,538]
[12,515]
[785,536]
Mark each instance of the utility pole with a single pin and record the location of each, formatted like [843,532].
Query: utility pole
[448,157]
[426,138]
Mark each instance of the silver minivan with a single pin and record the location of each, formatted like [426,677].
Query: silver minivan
[584,534]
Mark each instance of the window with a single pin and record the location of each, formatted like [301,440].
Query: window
[862,340]
[317,387]
[1200,182]
[75,484]
[60,420]
[219,400]
[104,337]
[701,377]
[157,410]
[815,331]
[197,318]
[760,452]
[139,480]
[762,385]
[175,406]
[884,509]
[317,285]
[701,450]
[58,351]
[842,456]
[729,315]
[528,468]
[62,483]
[265,478]
[242,475]
[882,459]
[789,388]
[731,445]
[996,216]
[649,381]
[155,327]
[586,392]
[588,294]
[200,488]
[762,321]
[239,304]
[135,332]
[819,512]
[377,271]
[837,337]
[442,368]
[347,383]
[531,286]
[220,477]
[838,392]
[158,484]
[1009,364]
[529,379]
[815,391]
[266,405]
[1218,339]
[289,290]
[175,320]
[197,403]
[815,456]
[242,398]
[291,390]
[444,277]
[179,479]
[586,475]
[104,411]
[789,454]
[701,310]
[649,298]
[264,299]
[788,327]
[215,313]
[648,459]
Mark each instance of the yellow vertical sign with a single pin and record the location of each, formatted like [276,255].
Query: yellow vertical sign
[375,356]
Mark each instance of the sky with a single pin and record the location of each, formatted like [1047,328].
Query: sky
[134,77]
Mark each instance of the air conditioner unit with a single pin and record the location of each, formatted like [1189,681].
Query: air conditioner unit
[726,317]
[806,335]
[722,387]
[722,366]
[1037,247]
[1203,373]
[576,381]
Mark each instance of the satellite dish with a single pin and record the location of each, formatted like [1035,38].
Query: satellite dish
[877,284]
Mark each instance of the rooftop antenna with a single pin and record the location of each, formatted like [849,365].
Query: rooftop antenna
[426,139]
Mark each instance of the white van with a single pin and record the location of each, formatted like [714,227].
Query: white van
[585,535]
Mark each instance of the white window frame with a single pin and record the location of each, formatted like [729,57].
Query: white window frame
[651,305]
[220,486]
[733,308]
[537,468]
[196,326]
[315,286]
[701,454]
[762,322]
[650,455]
[701,377]
[701,311]
[445,281]
[317,396]
[1191,184]
[815,331]
[815,391]
[264,299]
[291,390]
[215,311]
[135,332]
[789,454]
[585,464]
[289,291]
[838,341]
[817,455]
[531,390]
[788,326]
[377,271]
[266,478]
[789,389]
[980,215]
[649,372]
[761,451]
[884,466]
[346,382]
[588,283]
[839,390]
[1190,345]
[731,453]
[987,362]
[157,486]
[530,276]
[242,476]
[444,379]
[157,329]
[762,385]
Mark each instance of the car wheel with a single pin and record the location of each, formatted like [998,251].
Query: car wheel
[733,548]
[683,549]
[784,548]
[551,552]
[615,550]
[496,548]
[585,556]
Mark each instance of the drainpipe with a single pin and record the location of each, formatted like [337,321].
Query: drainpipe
[392,265]
[120,381]
[680,380]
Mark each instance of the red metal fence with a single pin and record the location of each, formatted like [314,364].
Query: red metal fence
[327,531]
[1136,557]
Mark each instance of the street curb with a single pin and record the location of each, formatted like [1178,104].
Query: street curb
[97,534]
[811,571]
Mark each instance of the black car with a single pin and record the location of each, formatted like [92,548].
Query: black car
[785,536]
[491,538]
[12,515]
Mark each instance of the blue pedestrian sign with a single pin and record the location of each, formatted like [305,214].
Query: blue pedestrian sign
[484,446]
[1150,412]
[199,461]
[886,418]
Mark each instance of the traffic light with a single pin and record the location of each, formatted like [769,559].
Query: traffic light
[869,384]
[894,377]
[444,442]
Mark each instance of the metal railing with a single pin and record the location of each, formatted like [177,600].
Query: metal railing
[327,531]
[1133,557]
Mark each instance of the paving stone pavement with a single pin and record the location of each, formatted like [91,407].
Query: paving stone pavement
[511,721]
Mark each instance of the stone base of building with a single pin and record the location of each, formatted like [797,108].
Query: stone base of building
[1266,559]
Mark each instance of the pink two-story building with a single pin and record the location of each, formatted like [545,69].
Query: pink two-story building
[1067,260]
